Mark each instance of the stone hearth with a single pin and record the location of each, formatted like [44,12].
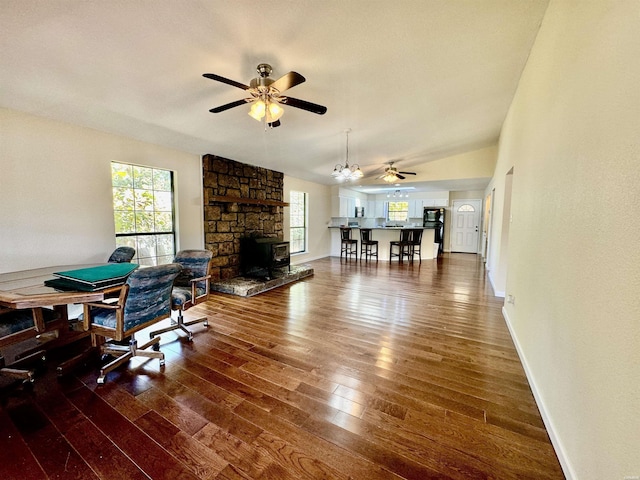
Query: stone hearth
[247,287]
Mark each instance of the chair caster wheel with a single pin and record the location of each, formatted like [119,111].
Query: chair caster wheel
[162,363]
[156,347]
[101,380]
[190,338]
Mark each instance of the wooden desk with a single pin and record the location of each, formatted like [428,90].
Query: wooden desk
[26,290]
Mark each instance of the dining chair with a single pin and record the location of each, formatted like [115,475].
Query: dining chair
[403,245]
[416,243]
[190,288]
[368,246]
[17,328]
[122,255]
[348,245]
[143,300]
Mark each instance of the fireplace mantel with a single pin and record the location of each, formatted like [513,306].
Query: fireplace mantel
[248,201]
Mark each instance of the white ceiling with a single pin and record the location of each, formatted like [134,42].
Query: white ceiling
[414,80]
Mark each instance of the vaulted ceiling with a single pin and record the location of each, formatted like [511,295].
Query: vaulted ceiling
[414,80]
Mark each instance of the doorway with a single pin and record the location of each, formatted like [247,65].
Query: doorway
[465,224]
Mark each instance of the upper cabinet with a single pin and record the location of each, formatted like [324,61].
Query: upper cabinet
[343,207]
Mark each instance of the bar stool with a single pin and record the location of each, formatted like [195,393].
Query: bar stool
[404,245]
[416,243]
[367,244]
[348,246]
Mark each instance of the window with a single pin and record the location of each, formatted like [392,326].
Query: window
[398,211]
[143,212]
[466,208]
[298,222]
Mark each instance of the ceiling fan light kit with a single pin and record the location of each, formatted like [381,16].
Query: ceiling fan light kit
[266,95]
[346,171]
[391,174]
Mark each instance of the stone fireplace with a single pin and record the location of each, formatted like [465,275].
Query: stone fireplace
[240,201]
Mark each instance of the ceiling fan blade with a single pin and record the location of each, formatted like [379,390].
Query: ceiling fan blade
[218,78]
[287,81]
[400,176]
[227,106]
[304,105]
[408,173]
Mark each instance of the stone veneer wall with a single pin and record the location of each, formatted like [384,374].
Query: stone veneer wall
[226,222]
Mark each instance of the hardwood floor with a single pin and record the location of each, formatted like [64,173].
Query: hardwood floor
[362,371]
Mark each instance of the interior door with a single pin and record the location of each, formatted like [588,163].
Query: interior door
[465,225]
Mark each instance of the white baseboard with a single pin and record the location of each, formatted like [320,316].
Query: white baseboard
[497,293]
[548,423]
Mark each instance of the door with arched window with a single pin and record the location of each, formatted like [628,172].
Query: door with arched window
[465,225]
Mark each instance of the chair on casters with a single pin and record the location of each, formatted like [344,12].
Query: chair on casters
[190,288]
[366,245]
[416,243]
[348,246]
[122,255]
[403,245]
[19,326]
[144,300]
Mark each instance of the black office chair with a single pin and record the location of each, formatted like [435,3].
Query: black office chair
[122,255]
[190,288]
[416,243]
[367,245]
[403,245]
[144,300]
[348,245]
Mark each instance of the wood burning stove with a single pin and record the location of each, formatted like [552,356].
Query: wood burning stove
[259,257]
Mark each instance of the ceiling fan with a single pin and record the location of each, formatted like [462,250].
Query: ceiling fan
[391,174]
[266,95]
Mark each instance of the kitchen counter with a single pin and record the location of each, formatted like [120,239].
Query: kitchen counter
[430,227]
[385,235]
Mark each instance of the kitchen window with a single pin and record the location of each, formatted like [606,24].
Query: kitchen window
[398,212]
[143,211]
[298,222]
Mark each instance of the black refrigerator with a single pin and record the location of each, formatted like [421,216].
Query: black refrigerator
[434,218]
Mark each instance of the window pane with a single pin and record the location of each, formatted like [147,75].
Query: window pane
[466,208]
[164,222]
[162,180]
[121,175]
[162,201]
[123,198]
[143,177]
[146,246]
[164,245]
[143,199]
[125,222]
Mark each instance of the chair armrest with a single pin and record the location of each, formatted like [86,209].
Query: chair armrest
[122,297]
[194,283]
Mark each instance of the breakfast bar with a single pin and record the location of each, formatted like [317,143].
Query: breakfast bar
[384,235]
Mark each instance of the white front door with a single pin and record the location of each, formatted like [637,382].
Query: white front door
[465,225]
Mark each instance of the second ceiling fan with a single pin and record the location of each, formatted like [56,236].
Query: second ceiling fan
[391,174]
[266,95]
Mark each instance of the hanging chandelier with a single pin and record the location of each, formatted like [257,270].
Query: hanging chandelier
[346,171]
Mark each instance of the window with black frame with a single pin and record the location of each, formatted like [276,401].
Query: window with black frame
[143,211]
[298,222]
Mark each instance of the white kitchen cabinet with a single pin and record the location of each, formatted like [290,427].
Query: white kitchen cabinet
[415,208]
[346,207]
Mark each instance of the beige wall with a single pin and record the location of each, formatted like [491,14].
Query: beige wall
[55,191]
[573,137]
[319,198]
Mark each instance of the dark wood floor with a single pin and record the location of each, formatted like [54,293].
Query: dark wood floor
[362,371]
